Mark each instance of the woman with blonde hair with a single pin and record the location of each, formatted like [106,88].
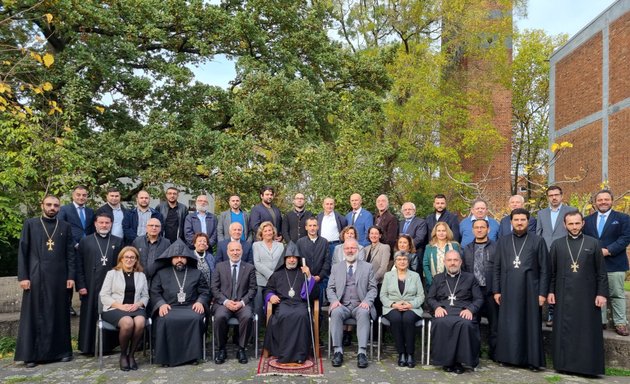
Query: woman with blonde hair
[266,252]
[124,296]
[441,242]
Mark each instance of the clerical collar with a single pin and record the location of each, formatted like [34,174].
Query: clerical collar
[102,235]
[454,274]
[575,237]
[519,234]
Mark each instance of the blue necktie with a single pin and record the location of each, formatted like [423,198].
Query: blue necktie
[600,226]
[350,271]
[82,216]
[406,226]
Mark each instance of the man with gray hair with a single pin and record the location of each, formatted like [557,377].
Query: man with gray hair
[413,226]
[351,292]
[505,226]
[387,221]
[201,221]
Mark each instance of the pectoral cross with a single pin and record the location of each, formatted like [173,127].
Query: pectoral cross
[516,263]
[452,298]
[575,266]
[50,244]
[104,259]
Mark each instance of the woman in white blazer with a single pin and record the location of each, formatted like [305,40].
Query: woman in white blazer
[402,296]
[124,296]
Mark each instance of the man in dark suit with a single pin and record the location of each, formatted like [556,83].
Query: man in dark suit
[135,220]
[236,232]
[415,227]
[294,221]
[440,213]
[360,218]
[387,221]
[505,226]
[81,220]
[114,208]
[612,228]
[201,221]
[233,287]
[266,211]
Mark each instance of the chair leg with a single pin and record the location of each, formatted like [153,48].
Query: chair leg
[429,344]
[422,342]
[329,338]
[256,335]
[150,328]
[380,331]
[212,326]
[371,339]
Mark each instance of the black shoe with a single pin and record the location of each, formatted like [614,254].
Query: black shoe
[411,360]
[533,368]
[337,359]
[362,361]
[458,369]
[72,312]
[220,357]
[66,359]
[402,360]
[132,363]
[241,355]
[447,368]
[30,364]
[124,363]
[347,339]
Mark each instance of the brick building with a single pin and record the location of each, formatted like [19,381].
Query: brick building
[590,104]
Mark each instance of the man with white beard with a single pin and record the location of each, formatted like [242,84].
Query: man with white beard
[201,221]
[351,292]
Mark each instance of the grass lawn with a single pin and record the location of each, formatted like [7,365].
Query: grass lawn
[626,285]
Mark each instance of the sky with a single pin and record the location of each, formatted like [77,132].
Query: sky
[554,16]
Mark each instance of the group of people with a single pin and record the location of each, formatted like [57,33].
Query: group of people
[180,267]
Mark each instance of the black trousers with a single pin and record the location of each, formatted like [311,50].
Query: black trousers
[403,329]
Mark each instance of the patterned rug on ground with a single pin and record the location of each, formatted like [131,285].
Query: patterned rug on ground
[270,366]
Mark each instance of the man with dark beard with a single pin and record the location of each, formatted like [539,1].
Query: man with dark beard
[521,284]
[455,298]
[46,269]
[180,298]
[96,255]
[578,288]
[288,335]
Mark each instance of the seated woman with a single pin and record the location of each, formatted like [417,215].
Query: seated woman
[405,243]
[441,242]
[206,262]
[402,296]
[288,335]
[348,232]
[124,296]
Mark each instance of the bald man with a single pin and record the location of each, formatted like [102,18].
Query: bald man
[360,218]
[505,226]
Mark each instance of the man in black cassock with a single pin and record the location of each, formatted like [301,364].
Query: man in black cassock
[455,299]
[288,335]
[46,269]
[180,297]
[314,249]
[96,255]
[521,284]
[578,288]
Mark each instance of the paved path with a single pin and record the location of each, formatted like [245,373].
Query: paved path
[85,370]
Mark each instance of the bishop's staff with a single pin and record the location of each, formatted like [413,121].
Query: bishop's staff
[310,315]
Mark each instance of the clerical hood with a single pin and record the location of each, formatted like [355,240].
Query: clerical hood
[290,250]
[178,248]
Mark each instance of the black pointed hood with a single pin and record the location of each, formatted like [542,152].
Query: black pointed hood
[178,248]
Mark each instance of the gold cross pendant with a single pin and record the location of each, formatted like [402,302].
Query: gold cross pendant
[575,266]
[50,244]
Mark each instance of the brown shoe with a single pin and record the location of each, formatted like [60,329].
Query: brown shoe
[622,330]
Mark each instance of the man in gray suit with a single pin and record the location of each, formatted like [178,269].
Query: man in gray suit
[234,214]
[233,287]
[550,225]
[351,292]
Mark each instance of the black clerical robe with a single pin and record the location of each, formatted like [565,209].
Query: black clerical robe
[520,282]
[577,340]
[44,331]
[453,338]
[179,334]
[318,259]
[96,255]
[288,335]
